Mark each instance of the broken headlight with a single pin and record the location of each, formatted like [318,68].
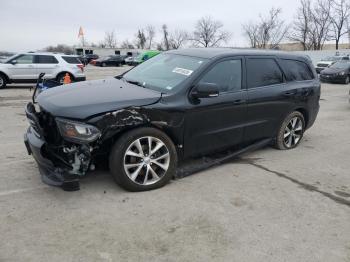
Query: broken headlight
[77,132]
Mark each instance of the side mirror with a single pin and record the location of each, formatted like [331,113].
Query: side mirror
[205,90]
[14,62]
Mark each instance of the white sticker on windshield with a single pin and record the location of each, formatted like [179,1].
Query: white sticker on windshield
[182,71]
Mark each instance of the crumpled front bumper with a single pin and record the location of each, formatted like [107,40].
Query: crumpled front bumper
[51,175]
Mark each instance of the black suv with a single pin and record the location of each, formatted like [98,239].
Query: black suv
[175,106]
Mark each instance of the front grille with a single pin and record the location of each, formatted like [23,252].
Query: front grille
[49,126]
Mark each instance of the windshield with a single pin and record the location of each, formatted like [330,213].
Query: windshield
[164,72]
[341,65]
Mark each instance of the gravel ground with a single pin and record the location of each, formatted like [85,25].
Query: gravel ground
[269,205]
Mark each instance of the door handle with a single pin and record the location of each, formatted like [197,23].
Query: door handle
[289,93]
[239,101]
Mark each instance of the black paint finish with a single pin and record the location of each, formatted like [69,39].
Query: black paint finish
[196,126]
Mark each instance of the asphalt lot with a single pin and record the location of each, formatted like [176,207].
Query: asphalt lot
[269,205]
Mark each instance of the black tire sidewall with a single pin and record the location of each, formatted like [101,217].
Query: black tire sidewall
[3,81]
[116,159]
[280,135]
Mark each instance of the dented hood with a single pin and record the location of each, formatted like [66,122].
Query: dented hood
[84,99]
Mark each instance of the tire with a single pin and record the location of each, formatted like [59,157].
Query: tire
[3,81]
[134,170]
[294,129]
[347,80]
[103,65]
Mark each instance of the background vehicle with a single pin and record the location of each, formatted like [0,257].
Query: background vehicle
[330,60]
[26,67]
[337,73]
[114,60]
[86,59]
[144,56]
[180,104]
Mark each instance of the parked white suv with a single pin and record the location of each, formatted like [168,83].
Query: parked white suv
[26,67]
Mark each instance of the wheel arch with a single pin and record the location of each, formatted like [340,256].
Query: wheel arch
[305,114]
[6,76]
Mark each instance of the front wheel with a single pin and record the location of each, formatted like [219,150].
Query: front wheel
[347,80]
[291,131]
[143,159]
[2,81]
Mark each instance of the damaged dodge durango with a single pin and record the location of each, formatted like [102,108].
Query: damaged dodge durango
[176,106]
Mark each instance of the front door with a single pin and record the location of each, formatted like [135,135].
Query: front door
[22,68]
[218,122]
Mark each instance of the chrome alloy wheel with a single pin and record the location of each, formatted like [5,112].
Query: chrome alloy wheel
[293,132]
[146,160]
[1,81]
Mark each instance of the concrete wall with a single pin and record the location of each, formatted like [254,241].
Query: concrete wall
[318,55]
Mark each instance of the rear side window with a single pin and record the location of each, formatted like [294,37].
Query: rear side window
[263,72]
[227,75]
[71,59]
[46,59]
[296,70]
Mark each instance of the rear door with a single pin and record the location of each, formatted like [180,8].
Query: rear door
[269,97]
[24,69]
[47,64]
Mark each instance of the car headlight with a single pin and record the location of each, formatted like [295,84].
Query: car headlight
[77,132]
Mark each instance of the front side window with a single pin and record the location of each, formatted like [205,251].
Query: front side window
[263,72]
[24,59]
[164,72]
[46,59]
[296,70]
[227,75]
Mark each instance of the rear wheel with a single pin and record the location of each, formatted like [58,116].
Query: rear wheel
[103,64]
[291,131]
[2,81]
[143,159]
[347,80]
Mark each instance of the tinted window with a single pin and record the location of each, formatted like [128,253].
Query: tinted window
[24,59]
[296,70]
[71,59]
[46,59]
[346,58]
[227,75]
[263,72]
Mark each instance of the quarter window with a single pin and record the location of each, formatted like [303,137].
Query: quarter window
[24,59]
[263,72]
[296,70]
[227,75]
[46,59]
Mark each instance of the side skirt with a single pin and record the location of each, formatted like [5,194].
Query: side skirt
[193,166]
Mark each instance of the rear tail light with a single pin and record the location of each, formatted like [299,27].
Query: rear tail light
[93,62]
[81,66]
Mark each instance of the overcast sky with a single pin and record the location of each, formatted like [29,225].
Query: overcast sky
[33,24]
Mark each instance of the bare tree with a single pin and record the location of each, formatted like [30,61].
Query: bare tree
[268,32]
[110,39]
[166,41]
[209,33]
[127,45]
[302,25]
[178,39]
[339,15]
[60,48]
[151,32]
[141,40]
[320,26]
